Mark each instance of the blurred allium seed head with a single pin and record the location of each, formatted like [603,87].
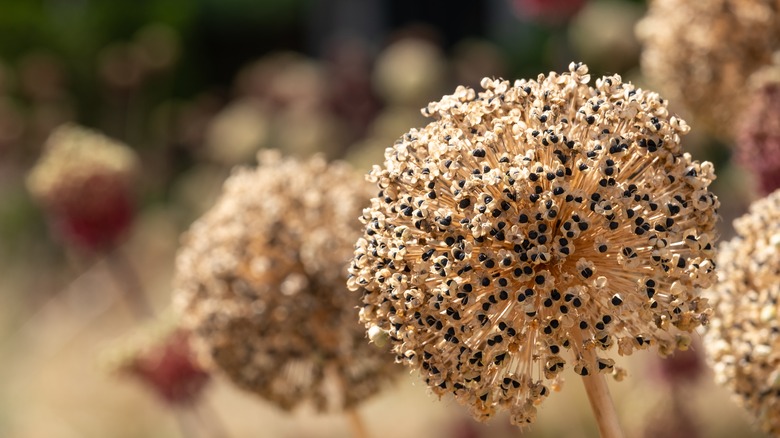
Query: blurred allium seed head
[551,11]
[84,181]
[743,336]
[160,357]
[758,136]
[261,282]
[410,72]
[238,131]
[529,226]
[681,368]
[702,52]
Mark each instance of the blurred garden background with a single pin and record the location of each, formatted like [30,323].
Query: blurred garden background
[196,87]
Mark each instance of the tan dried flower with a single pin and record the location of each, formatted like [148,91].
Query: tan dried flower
[701,53]
[530,226]
[84,180]
[742,340]
[261,282]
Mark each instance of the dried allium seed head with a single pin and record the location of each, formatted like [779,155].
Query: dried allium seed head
[742,338]
[758,136]
[530,225]
[84,180]
[160,357]
[261,282]
[238,131]
[702,52]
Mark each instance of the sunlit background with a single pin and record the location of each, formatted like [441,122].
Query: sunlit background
[197,87]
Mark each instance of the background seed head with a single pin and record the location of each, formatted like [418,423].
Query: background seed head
[701,53]
[530,225]
[758,136]
[742,338]
[159,356]
[261,282]
[84,181]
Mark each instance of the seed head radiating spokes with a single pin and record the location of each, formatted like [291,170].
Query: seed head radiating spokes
[742,341]
[528,225]
[261,283]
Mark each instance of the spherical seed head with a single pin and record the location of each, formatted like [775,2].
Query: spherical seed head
[742,339]
[530,224]
[702,52]
[758,135]
[261,282]
[160,357]
[84,181]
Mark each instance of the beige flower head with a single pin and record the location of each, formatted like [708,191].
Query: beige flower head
[85,181]
[702,52]
[742,340]
[261,282]
[529,226]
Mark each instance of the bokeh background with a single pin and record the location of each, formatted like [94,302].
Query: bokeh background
[199,86]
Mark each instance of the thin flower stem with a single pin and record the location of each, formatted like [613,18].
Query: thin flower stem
[356,424]
[187,427]
[129,283]
[601,401]
[210,420]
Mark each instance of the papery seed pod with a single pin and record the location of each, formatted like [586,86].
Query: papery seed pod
[529,226]
[159,356]
[84,180]
[742,338]
[701,53]
[261,282]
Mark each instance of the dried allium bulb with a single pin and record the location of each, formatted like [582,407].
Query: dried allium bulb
[160,357]
[743,336]
[261,282]
[84,180]
[531,226]
[702,52]
[758,136]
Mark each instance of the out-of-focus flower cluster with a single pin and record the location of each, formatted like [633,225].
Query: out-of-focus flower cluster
[85,182]
[742,339]
[701,54]
[159,356]
[261,282]
[758,135]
